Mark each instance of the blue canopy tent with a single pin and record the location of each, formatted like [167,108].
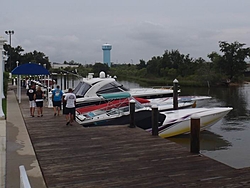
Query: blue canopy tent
[28,69]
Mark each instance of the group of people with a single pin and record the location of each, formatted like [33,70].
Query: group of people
[35,100]
[36,97]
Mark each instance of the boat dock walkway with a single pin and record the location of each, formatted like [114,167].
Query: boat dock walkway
[110,156]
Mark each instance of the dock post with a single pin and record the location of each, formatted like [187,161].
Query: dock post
[175,94]
[155,120]
[195,134]
[14,81]
[132,113]
[65,80]
[50,102]
[61,81]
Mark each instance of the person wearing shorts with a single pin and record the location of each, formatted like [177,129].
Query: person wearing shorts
[30,93]
[57,95]
[38,97]
[70,99]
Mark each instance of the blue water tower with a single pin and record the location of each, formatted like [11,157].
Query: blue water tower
[106,53]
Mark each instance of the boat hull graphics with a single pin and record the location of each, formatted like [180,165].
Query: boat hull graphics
[207,119]
[171,123]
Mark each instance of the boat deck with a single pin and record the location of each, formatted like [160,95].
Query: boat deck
[119,156]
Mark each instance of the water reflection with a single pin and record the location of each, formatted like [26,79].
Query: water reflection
[233,129]
[209,141]
[226,141]
[236,97]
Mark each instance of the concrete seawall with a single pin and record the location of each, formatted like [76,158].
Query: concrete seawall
[19,149]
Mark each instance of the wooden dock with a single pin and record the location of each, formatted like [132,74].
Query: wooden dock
[119,156]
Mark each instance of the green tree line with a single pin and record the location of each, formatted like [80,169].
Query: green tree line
[225,67]
[15,55]
[228,66]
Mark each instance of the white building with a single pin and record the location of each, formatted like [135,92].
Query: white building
[60,65]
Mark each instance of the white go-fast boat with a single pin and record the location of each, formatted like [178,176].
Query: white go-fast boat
[89,89]
[171,123]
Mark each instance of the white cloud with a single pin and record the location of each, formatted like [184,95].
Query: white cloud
[137,30]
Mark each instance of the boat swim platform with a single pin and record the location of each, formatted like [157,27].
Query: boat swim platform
[119,156]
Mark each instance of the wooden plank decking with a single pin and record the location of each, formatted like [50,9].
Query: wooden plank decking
[118,156]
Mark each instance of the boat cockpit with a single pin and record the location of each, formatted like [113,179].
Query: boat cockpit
[113,87]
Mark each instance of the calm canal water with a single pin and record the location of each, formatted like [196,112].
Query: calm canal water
[226,141]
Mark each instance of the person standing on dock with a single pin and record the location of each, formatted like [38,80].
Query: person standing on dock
[70,99]
[38,97]
[30,93]
[57,95]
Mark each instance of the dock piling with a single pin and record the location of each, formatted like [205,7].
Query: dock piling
[132,113]
[195,134]
[155,120]
[175,94]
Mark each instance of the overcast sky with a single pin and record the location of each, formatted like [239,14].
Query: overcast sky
[137,29]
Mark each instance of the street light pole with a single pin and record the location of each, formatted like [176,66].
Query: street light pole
[18,85]
[10,33]
[44,65]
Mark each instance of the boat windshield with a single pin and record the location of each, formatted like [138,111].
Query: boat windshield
[117,111]
[112,88]
[81,89]
[138,105]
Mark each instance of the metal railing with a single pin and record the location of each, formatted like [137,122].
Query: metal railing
[24,181]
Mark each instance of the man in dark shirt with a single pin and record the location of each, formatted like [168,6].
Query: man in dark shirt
[30,92]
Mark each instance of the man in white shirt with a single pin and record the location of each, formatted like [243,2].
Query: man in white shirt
[70,99]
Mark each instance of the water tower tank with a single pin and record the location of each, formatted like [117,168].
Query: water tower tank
[106,53]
